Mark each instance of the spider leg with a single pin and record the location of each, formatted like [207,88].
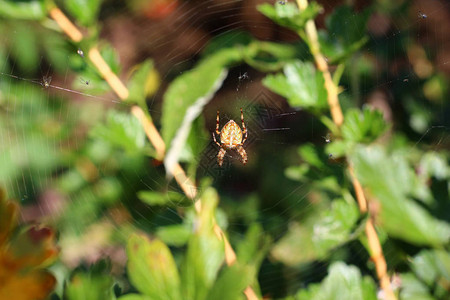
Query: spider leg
[217,124]
[215,141]
[244,128]
[220,156]
[242,153]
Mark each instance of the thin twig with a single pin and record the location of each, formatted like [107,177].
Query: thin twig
[186,184]
[376,252]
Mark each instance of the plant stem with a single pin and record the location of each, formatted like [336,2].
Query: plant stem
[376,252]
[188,187]
[314,47]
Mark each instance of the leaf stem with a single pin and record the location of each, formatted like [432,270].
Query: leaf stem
[188,187]
[376,252]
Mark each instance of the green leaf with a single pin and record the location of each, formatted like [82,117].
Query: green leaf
[152,269]
[430,265]
[254,247]
[390,179]
[301,85]
[319,234]
[363,126]
[174,235]
[29,10]
[157,198]
[230,40]
[91,286]
[342,282]
[345,33]
[231,283]
[121,130]
[261,55]
[288,14]
[85,11]
[111,57]
[186,97]
[137,83]
[25,46]
[134,297]
[270,57]
[413,289]
[205,252]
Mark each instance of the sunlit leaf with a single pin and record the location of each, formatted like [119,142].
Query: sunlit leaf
[90,286]
[320,233]
[205,252]
[151,268]
[231,283]
[342,282]
[430,265]
[174,235]
[134,297]
[390,179]
[413,289]
[288,14]
[301,85]
[186,97]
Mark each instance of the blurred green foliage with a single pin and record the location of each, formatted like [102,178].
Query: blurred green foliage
[87,169]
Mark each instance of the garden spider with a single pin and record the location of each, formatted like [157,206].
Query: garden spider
[231,138]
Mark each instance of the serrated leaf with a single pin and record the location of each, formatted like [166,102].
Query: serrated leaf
[345,33]
[205,252]
[322,232]
[363,126]
[121,130]
[390,179]
[85,11]
[413,289]
[29,10]
[301,85]
[430,265]
[152,269]
[342,282]
[288,14]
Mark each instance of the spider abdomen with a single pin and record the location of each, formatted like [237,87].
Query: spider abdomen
[231,135]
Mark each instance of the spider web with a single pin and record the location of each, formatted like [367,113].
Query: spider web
[46,152]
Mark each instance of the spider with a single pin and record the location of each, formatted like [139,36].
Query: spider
[231,138]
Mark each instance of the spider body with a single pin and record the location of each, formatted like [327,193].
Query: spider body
[231,137]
